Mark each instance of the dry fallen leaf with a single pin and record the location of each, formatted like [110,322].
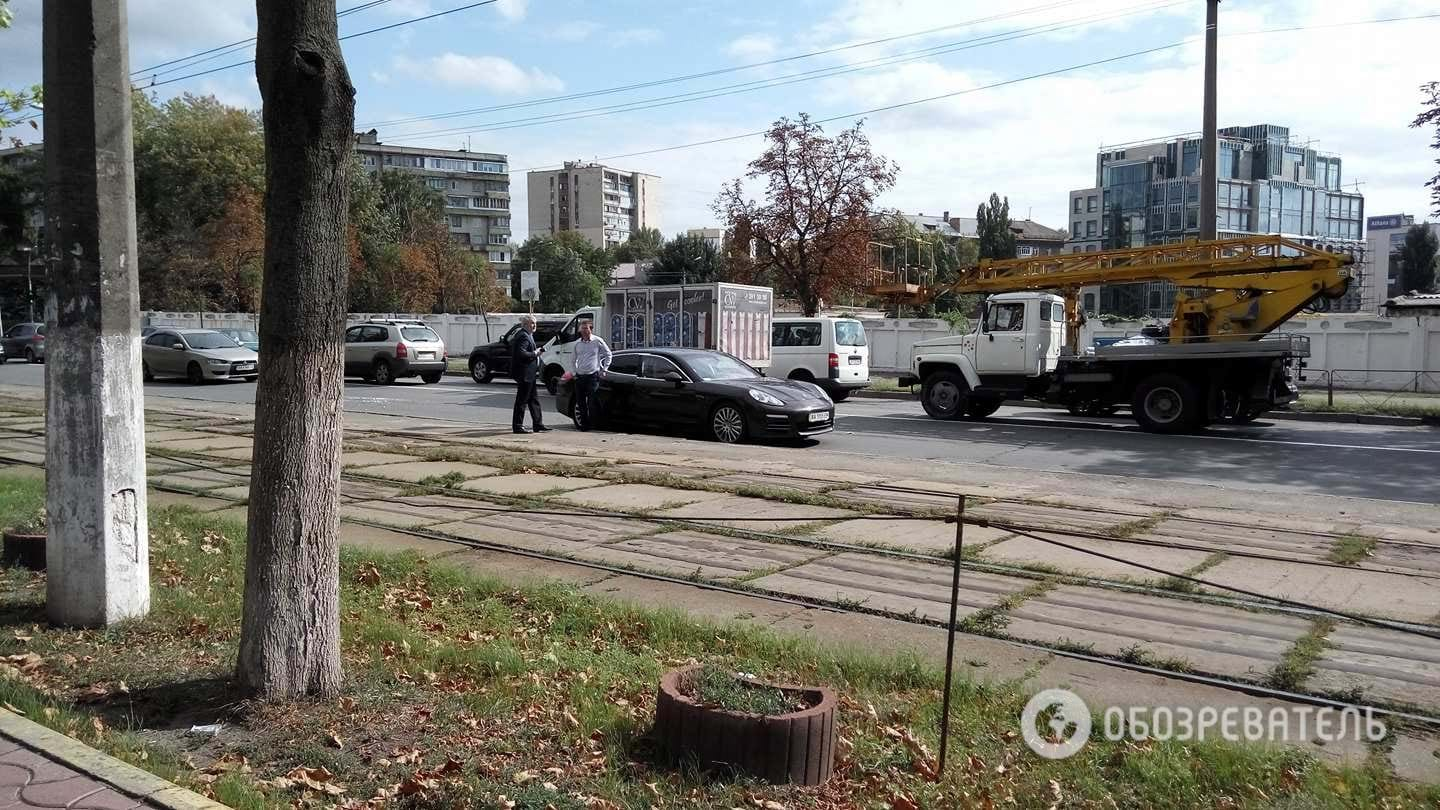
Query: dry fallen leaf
[901,801]
[10,707]
[522,777]
[334,739]
[347,704]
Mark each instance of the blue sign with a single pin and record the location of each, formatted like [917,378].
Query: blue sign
[1385,223]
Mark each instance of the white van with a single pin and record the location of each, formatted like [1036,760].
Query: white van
[830,352]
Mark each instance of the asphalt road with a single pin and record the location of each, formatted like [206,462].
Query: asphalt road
[1366,461]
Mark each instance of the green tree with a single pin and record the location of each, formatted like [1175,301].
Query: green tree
[16,104]
[409,207]
[573,272]
[691,259]
[997,241]
[20,190]
[945,256]
[642,244]
[1430,116]
[1417,259]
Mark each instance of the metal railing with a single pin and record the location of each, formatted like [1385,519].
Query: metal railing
[1373,386]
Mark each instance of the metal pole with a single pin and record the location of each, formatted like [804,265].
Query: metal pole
[950,636]
[1208,157]
[29,285]
[1329,390]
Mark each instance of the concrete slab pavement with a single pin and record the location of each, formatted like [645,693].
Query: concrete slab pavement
[414,471]
[636,497]
[763,515]
[529,484]
[924,537]
[1378,663]
[710,556]
[1031,552]
[1376,593]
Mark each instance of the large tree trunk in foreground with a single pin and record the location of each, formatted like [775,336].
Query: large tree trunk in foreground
[290,633]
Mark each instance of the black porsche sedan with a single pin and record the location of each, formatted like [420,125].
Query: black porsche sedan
[713,391]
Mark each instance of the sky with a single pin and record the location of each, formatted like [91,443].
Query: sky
[1021,111]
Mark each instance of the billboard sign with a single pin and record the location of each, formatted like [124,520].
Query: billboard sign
[530,285]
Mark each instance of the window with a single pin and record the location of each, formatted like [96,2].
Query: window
[1076,207]
[497,256]
[1090,302]
[209,340]
[849,333]
[1192,217]
[457,221]
[487,166]
[1024,251]
[1090,228]
[457,202]
[1075,228]
[1057,312]
[711,367]
[374,334]
[625,364]
[437,182]
[795,334]
[1006,318]
[654,367]
[157,339]
[1090,204]
[1044,313]
[419,334]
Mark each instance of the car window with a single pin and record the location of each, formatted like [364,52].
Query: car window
[654,367]
[1059,312]
[718,366]
[376,334]
[1006,318]
[19,330]
[159,339]
[210,340]
[352,335]
[796,334]
[510,334]
[849,333]
[625,364]
[40,330]
[419,334]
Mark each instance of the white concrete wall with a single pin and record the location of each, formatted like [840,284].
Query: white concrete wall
[890,339]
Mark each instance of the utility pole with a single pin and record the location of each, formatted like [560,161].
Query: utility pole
[97,552]
[29,285]
[1209,147]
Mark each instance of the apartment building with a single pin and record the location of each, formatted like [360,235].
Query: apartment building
[476,186]
[603,204]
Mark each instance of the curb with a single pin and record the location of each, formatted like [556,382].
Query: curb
[126,778]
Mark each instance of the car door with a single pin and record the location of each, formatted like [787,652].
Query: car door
[500,359]
[352,349]
[1001,348]
[664,401]
[169,360]
[617,388]
[16,338]
[149,353]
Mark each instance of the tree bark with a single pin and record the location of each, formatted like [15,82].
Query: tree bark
[290,631]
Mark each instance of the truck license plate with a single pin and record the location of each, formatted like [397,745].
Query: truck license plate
[820,416]
[856,360]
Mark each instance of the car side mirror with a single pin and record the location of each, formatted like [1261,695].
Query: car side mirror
[178,346]
[672,376]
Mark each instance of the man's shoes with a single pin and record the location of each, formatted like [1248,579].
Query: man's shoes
[519,430]
[541,429]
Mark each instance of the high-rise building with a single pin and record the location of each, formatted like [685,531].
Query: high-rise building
[1267,183]
[1384,236]
[605,205]
[476,187]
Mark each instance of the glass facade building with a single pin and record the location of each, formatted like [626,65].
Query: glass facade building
[1266,183]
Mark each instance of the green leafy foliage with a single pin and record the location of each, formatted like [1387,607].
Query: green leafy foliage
[687,258]
[573,272]
[997,241]
[1417,259]
[722,688]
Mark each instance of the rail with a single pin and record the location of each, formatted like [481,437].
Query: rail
[1375,386]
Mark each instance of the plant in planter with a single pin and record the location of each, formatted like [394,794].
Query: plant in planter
[24,545]
[780,733]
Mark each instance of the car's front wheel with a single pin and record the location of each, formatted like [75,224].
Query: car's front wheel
[194,374]
[432,377]
[480,371]
[727,423]
[145,372]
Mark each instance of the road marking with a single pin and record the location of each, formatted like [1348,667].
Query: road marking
[1204,437]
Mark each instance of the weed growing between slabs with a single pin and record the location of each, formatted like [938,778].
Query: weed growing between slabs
[464,692]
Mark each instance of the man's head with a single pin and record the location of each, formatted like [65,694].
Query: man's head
[586,327]
[527,322]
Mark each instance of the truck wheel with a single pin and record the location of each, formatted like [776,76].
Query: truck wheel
[981,408]
[1167,403]
[480,371]
[944,395]
[1247,415]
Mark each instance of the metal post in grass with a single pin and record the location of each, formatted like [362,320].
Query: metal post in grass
[950,636]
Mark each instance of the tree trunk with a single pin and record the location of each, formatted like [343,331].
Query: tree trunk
[290,631]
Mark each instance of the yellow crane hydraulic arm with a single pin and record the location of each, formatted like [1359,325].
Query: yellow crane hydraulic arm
[1230,289]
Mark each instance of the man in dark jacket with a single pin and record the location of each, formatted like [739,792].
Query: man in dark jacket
[525,367]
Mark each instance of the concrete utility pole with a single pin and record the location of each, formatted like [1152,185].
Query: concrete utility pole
[98,550]
[1209,147]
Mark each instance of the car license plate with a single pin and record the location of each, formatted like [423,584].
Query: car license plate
[427,355]
[856,360]
[244,366]
[820,416]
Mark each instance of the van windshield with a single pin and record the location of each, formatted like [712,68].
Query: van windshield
[849,333]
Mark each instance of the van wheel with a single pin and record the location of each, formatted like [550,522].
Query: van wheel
[1167,403]
[944,395]
[802,375]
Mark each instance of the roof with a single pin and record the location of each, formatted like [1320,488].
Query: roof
[1414,300]
[1030,229]
[954,227]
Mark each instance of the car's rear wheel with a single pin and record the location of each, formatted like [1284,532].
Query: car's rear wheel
[727,423]
[145,372]
[944,395]
[30,356]
[194,374]
[381,373]
[480,371]
[432,377]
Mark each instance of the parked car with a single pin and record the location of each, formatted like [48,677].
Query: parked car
[245,337]
[197,355]
[492,359]
[383,351]
[830,352]
[710,390]
[25,340]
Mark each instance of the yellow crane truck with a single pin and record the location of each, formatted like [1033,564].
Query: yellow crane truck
[1220,358]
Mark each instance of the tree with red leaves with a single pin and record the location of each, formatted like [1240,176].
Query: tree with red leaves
[810,237]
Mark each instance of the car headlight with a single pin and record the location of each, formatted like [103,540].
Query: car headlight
[761,396]
[215,362]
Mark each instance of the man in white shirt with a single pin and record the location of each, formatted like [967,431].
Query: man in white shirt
[592,358]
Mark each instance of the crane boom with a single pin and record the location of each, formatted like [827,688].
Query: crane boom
[1230,289]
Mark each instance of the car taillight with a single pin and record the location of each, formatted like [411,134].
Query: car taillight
[37,338]
[401,351]
[834,361]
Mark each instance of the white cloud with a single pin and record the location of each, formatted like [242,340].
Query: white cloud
[513,10]
[753,47]
[634,36]
[494,73]
[573,30]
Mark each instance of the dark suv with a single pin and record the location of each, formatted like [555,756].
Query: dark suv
[383,351]
[491,359]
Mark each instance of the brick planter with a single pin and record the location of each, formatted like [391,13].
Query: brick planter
[23,550]
[796,748]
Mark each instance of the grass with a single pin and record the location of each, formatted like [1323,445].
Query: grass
[1417,406]
[1298,663]
[449,480]
[460,689]
[722,689]
[1352,549]
[886,384]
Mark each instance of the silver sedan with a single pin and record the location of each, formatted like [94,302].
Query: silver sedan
[197,355]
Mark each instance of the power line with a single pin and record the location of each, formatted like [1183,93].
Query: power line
[1007,82]
[720,71]
[794,78]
